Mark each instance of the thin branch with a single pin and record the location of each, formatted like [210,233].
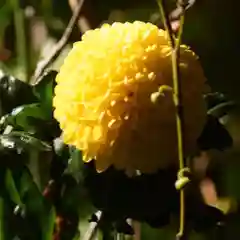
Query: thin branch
[166,22]
[60,45]
[177,98]
[179,124]
[180,31]
[175,15]
[82,22]
[181,8]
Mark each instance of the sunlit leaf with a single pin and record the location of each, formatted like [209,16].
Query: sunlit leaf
[23,140]
[23,117]
[44,90]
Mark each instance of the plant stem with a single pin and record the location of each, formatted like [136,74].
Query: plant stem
[120,236]
[166,22]
[180,32]
[60,44]
[21,38]
[177,98]
[179,125]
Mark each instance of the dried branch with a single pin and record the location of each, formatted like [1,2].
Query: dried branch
[182,6]
[175,16]
[60,45]
[83,23]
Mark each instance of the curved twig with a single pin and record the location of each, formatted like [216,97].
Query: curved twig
[59,46]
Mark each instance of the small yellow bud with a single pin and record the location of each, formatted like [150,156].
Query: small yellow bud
[181,183]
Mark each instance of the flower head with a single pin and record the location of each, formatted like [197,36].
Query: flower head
[103,98]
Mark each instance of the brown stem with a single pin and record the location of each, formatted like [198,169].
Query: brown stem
[60,45]
[84,22]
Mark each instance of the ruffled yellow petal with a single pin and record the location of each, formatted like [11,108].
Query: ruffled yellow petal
[103,97]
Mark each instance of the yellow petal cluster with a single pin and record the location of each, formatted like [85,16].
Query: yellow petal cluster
[103,98]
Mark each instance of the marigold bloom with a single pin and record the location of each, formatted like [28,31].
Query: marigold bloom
[103,98]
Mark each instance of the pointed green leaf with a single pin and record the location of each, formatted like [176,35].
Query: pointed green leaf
[29,191]
[13,93]
[75,163]
[23,140]
[23,116]
[11,188]
[2,219]
[48,224]
[44,90]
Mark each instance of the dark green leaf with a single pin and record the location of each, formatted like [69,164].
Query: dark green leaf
[48,224]
[75,163]
[218,104]
[60,159]
[70,194]
[13,93]
[222,109]
[23,140]
[33,119]
[23,116]
[11,188]
[214,99]
[30,194]
[214,136]
[5,18]
[44,90]
[37,214]
[60,148]
[2,219]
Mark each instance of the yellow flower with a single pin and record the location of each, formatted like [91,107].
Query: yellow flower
[103,98]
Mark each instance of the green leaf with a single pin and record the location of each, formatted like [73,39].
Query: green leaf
[218,104]
[13,93]
[75,164]
[36,209]
[48,224]
[29,191]
[2,219]
[22,116]
[44,90]
[214,98]
[5,18]
[23,140]
[30,110]
[11,188]
[33,119]
[70,194]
